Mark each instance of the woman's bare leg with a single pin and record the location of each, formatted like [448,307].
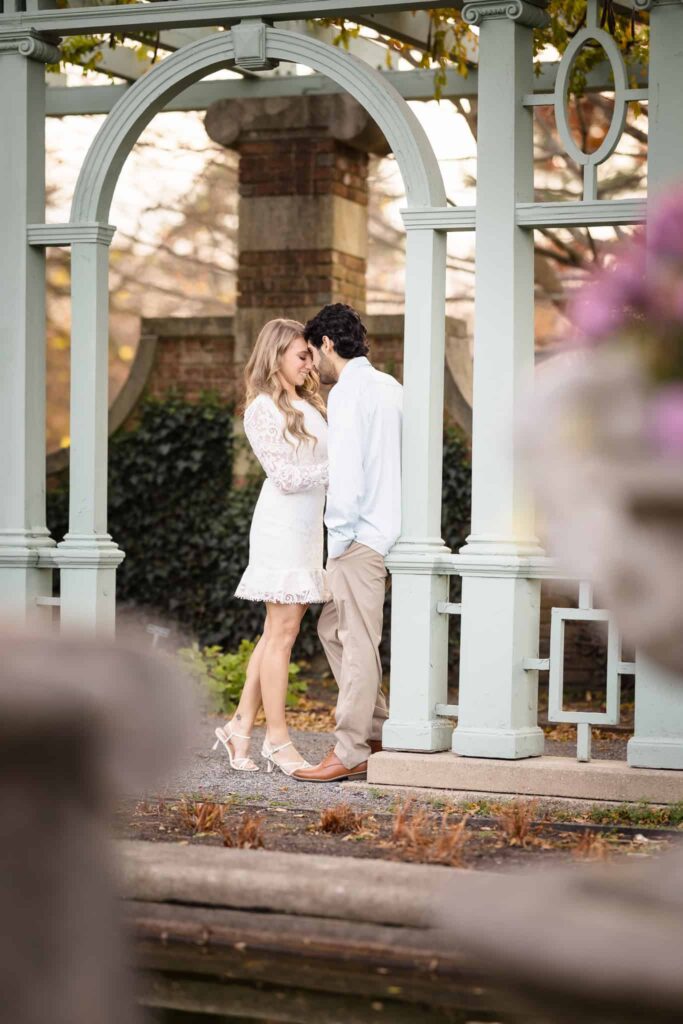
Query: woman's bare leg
[250,699]
[283,622]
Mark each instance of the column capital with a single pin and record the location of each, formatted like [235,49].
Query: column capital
[338,116]
[530,13]
[31,45]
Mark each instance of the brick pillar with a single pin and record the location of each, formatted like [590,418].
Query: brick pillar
[303,204]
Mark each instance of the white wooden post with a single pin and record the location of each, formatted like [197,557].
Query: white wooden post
[419,634]
[658,738]
[87,556]
[23,534]
[500,606]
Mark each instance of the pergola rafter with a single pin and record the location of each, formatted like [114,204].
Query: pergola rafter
[188,13]
[414,84]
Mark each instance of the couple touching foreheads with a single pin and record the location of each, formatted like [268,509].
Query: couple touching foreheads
[343,462]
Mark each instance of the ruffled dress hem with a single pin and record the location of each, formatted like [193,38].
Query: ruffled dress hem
[300,586]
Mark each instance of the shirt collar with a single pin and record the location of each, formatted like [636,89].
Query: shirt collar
[356,362]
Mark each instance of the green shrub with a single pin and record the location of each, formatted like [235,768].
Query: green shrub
[223,673]
[456,498]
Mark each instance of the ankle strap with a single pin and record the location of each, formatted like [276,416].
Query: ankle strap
[239,735]
[276,750]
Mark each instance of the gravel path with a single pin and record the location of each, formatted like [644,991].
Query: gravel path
[208,773]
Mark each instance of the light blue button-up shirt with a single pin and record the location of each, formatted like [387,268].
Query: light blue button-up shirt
[364,444]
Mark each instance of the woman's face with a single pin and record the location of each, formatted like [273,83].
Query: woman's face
[296,363]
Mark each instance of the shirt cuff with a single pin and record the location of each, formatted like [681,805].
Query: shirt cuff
[337,545]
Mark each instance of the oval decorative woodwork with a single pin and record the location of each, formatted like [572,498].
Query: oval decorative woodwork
[616,128]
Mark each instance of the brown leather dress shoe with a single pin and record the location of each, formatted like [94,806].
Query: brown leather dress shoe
[375,746]
[330,769]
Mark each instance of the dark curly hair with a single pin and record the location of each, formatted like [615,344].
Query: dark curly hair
[343,326]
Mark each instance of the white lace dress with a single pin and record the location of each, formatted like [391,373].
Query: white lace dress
[286,538]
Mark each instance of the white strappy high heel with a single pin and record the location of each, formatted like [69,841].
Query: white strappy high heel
[287,767]
[238,764]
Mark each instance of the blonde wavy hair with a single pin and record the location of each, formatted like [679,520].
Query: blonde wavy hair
[261,377]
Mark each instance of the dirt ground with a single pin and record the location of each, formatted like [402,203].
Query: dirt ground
[481,836]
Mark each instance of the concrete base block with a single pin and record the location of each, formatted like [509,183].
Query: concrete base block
[499,743]
[545,776]
[426,737]
[664,752]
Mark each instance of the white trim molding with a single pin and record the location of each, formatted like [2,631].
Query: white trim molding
[584,213]
[443,218]
[45,235]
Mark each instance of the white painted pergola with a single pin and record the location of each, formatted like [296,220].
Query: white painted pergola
[502,564]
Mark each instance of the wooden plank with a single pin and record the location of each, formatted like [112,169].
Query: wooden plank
[314,954]
[284,1004]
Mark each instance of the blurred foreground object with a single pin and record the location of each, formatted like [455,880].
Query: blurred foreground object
[608,464]
[81,722]
[602,945]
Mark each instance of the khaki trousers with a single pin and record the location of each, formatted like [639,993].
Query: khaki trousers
[350,629]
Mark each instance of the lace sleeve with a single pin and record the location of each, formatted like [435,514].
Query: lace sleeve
[279,458]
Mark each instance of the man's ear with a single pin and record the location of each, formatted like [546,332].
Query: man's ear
[328,347]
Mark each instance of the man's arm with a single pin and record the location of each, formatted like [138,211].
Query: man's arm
[347,479]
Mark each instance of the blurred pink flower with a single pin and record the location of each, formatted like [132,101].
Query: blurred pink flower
[665,420]
[611,297]
[665,226]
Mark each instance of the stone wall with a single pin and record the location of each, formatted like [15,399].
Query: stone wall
[195,354]
[192,355]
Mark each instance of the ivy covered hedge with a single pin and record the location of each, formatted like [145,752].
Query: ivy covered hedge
[184,529]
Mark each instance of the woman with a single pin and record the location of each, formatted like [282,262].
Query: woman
[285,422]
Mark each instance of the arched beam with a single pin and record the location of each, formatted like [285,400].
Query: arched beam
[115,139]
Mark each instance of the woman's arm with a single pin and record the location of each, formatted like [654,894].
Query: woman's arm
[263,427]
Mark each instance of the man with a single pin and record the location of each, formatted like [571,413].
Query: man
[363,519]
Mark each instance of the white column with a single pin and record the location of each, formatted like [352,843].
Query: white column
[23,534]
[657,741]
[500,607]
[419,634]
[658,738]
[87,556]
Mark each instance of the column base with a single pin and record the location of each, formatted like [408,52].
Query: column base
[428,737]
[657,740]
[419,649]
[655,753]
[88,566]
[24,576]
[511,744]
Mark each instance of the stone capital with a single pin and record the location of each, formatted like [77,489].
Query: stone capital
[29,44]
[336,116]
[530,13]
